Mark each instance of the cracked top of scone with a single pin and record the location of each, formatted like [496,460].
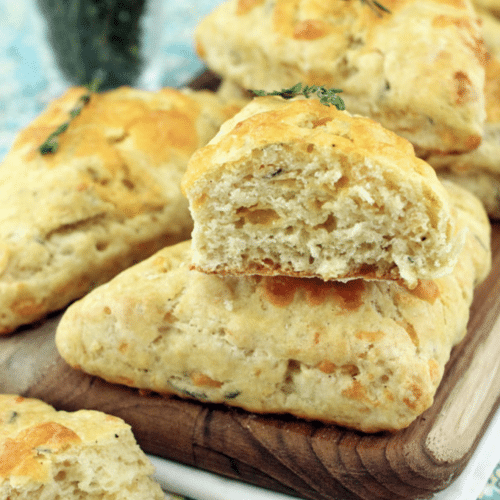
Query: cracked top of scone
[107,197]
[293,187]
[116,136]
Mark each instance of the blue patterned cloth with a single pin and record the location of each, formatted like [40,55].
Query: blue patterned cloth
[30,79]
[492,488]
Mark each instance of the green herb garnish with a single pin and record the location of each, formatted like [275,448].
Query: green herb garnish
[52,142]
[192,394]
[326,96]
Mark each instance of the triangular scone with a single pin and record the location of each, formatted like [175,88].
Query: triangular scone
[364,354]
[293,187]
[479,170]
[107,198]
[49,454]
[418,69]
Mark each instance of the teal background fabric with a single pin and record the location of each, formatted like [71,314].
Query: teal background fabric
[492,489]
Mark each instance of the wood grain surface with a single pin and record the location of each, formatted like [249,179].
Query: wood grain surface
[304,459]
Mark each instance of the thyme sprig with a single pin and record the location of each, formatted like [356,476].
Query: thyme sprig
[326,96]
[52,142]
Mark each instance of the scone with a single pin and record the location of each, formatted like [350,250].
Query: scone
[363,354]
[85,455]
[297,188]
[417,69]
[108,197]
[479,170]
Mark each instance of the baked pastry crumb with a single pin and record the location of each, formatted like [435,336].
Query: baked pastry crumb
[418,69]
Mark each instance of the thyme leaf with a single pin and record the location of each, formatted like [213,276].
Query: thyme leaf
[12,417]
[326,96]
[52,142]
[232,395]
[192,394]
[376,7]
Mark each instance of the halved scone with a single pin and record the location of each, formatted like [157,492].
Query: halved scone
[296,188]
[49,454]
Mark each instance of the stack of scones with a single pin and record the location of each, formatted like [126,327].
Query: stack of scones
[330,271]
[329,275]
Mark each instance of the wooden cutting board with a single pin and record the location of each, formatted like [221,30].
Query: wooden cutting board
[305,459]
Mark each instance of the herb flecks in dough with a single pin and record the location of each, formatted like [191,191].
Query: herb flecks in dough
[326,96]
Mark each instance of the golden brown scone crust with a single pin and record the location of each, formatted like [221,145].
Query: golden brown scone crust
[76,456]
[107,198]
[479,170]
[364,354]
[296,188]
[418,70]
